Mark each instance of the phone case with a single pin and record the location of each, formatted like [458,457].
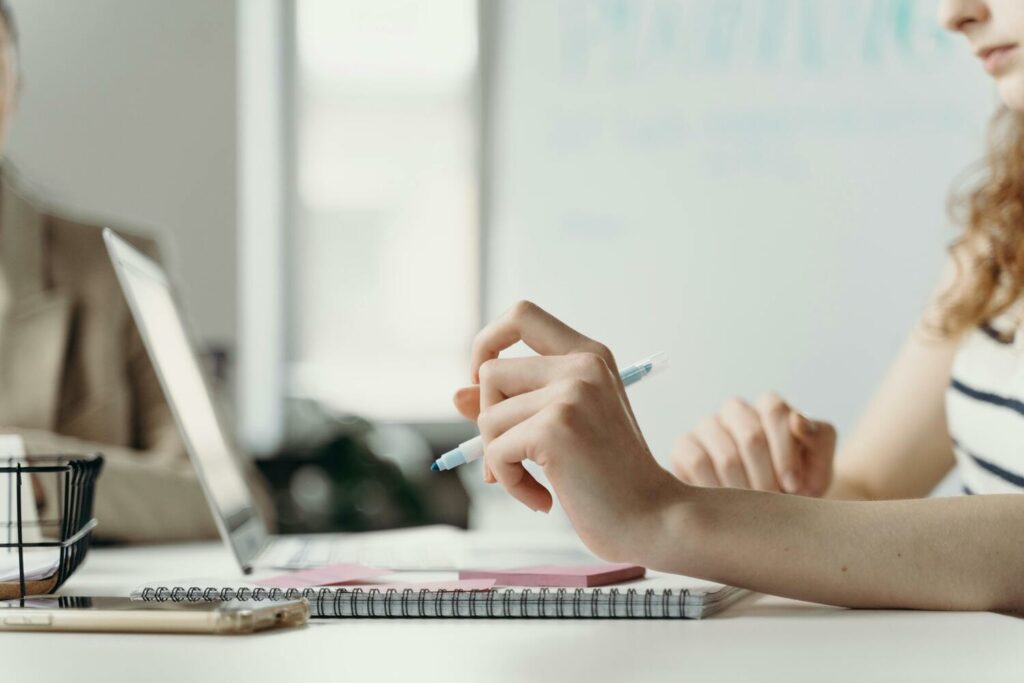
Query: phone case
[188,618]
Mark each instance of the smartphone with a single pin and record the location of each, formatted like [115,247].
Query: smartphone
[123,615]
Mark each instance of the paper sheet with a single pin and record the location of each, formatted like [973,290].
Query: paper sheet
[39,564]
[328,575]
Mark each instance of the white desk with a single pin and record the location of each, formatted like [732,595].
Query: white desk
[761,639]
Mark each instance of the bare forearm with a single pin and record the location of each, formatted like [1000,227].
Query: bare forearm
[949,553]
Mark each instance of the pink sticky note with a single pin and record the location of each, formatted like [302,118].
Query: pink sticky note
[583,576]
[328,575]
[462,585]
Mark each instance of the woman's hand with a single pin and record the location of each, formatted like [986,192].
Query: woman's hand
[767,446]
[567,411]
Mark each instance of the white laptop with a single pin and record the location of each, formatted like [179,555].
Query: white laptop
[219,466]
[216,460]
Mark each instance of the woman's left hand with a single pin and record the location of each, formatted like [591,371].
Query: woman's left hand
[567,411]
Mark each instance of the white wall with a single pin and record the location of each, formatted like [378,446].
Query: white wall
[756,187]
[128,116]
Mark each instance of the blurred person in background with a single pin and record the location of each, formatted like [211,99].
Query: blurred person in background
[74,375]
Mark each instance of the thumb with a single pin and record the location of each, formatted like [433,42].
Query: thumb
[819,441]
[810,433]
[467,402]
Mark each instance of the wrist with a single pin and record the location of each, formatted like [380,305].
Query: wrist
[660,537]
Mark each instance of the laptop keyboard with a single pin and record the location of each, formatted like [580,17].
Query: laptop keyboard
[393,550]
[312,553]
[424,549]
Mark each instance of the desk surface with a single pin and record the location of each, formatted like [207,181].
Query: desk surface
[762,638]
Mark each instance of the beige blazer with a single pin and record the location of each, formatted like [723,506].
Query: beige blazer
[75,377]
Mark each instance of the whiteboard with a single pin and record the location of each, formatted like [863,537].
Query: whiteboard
[756,187]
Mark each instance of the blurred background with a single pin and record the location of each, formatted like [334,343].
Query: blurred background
[346,190]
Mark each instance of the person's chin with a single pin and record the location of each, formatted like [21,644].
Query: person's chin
[1011,90]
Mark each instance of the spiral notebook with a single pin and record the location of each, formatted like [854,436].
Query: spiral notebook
[659,596]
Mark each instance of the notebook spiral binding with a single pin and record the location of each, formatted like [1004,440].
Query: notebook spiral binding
[424,603]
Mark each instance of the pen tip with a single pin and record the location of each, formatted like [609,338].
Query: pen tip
[434,467]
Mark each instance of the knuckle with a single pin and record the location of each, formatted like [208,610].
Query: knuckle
[680,456]
[751,439]
[696,458]
[772,404]
[480,338]
[682,444]
[562,414]
[577,390]
[708,423]
[733,405]
[485,422]
[729,458]
[599,349]
[476,348]
[521,309]
[687,450]
[590,364]
[594,360]
[487,369]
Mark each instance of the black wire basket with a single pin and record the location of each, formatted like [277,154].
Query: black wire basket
[65,528]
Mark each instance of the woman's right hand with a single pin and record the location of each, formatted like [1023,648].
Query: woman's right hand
[767,446]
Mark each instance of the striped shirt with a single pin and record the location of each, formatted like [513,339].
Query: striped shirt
[985,408]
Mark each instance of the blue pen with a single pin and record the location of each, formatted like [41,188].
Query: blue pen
[471,450]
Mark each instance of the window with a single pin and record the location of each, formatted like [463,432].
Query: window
[384,266]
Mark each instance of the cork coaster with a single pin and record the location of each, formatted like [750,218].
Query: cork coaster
[11,589]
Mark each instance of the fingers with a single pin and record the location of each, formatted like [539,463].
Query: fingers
[534,326]
[467,402]
[818,439]
[744,425]
[691,463]
[769,447]
[805,429]
[498,418]
[501,417]
[785,451]
[539,380]
[725,454]
[500,379]
[505,456]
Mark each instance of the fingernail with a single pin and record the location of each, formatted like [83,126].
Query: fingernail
[791,482]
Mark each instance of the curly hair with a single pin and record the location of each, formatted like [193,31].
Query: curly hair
[989,255]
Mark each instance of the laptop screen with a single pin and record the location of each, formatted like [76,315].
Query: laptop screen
[158,318]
